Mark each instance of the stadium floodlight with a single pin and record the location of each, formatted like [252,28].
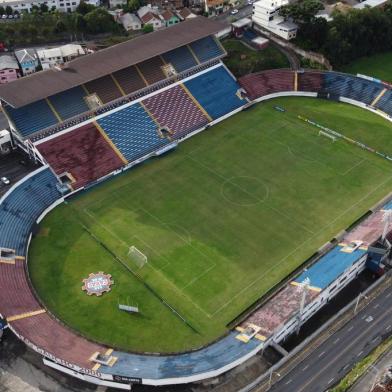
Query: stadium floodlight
[137,256]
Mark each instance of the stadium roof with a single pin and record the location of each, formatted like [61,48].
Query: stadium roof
[83,69]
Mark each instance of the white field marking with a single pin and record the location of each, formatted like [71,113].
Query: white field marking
[230,181]
[336,340]
[195,279]
[301,245]
[149,264]
[290,219]
[346,366]
[352,167]
[305,368]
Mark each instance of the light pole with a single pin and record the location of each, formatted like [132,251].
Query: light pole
[270,377]
[358,299]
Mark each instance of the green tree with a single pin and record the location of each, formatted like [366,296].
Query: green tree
[2,10]
[148,28]
[84,8]
[44,8]
[99,21]
[302,12]
[8,10]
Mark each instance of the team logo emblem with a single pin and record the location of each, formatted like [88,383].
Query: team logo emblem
[97,284]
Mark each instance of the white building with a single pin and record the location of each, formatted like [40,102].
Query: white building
[130,22]
[116,3]
[26,5]
[149,15]
[266,15]
[53,57]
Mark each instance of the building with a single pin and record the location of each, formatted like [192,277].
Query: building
[116,3]
[26,5]
[169,18]
[28,61]
[266,15]
[214,7]
[185,14]
[53,57]
[130,22]
[149,15]
[9,68]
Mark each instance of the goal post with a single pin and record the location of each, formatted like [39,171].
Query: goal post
[328,135]
[137,256]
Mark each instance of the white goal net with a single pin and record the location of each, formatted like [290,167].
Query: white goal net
[137,256]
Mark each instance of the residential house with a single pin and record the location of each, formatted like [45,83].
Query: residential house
[185,14]
[9,68]
[149,15]
[215,7]
[54,57]
[28,60]
[130,22]
[169,18]
[116,3]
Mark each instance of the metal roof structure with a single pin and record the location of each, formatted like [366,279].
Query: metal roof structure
[84,69]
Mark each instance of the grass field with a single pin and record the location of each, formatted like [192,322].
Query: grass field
[378,66]
[242,59]
[222,220]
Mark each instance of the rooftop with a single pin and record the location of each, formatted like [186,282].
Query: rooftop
[83,69]
[8,62]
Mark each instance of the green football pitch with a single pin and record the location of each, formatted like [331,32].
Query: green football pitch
[222,220]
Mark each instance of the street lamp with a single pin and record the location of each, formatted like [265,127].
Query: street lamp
[361,295]
[270,377]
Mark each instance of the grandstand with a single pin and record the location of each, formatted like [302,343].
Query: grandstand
[95,118]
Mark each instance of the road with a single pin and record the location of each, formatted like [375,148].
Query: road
[337,355]
[227,18]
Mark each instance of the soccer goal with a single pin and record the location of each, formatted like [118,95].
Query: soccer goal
[137,256]
[328,135]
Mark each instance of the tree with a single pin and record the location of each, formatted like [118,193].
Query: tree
[84,8]
[302,12]
[99,21]
[8,10]
[44,8]
[2,10]
[148,28]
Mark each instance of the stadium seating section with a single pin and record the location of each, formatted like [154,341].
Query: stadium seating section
[83,152]
[152,70]
[206,49]
[216,91]
[69,103]
[32,118]
[385,103]
[132,131]
[129,79]
[310,81]
[175,110]
[181,58]
[23,206]
[351,87]
[105,88]
[267,82]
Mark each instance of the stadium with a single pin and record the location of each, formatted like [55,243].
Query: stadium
[206,217]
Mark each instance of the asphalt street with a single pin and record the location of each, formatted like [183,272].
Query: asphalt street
[326,365]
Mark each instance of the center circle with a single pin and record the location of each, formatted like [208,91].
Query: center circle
[244,190]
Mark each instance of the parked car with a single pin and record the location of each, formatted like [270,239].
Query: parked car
[4,16]
[5,180]
[234,11]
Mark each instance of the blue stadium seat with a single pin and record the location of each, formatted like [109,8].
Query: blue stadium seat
[133,131]
[385,103]
[206,49]
[23,206]
[352,87]
[32,118]
[181,58]
[216,92]
[69,103]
